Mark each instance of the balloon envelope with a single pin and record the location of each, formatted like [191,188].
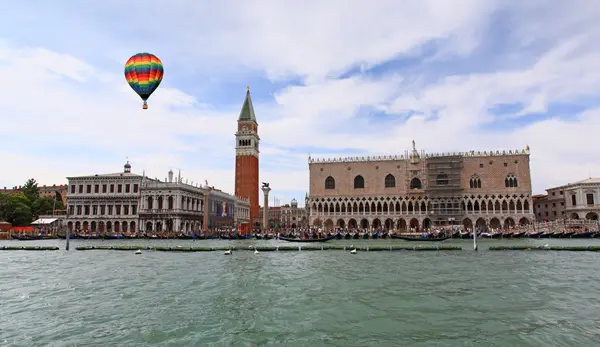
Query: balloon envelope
[144,72]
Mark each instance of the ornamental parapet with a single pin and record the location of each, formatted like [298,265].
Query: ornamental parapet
[492,153]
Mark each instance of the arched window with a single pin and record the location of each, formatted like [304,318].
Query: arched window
[511,181]
[359,182]
[415,183]
[475,182]
[390,181]
[442,179]
[329,183]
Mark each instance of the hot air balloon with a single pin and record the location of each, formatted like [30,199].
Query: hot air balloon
[144,72]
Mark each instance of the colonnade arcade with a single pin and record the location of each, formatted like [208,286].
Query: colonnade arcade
[169,202]
[104,226]
[419,223]
[170,224]
[401,213]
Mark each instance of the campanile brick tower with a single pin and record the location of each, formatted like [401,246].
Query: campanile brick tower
[246,159]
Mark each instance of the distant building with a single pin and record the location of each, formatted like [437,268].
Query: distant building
[128,202]
[45,191]
[274,217]
[293,216]
[288,216]
[549,207]
[579,200]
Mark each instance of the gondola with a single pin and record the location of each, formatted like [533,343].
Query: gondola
[307,240]
[420,238]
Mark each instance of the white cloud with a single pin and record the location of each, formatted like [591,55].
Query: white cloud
[86,110]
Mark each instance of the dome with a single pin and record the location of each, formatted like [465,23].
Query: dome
[294,203]
[127,167]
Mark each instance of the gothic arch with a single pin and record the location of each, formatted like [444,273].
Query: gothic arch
[467,223]
[414,223]
[510,181]
[352,224]
[376,223]
[364,224]
[494,223]
[390,181]
[475,182]
[359,182]
[480,223]
[415,183]
[329,183]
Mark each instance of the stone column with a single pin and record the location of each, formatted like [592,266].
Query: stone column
[265,223]
[205,220]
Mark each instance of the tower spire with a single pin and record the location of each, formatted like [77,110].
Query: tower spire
[247,113]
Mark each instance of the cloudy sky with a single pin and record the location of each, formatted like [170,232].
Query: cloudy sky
[329,78]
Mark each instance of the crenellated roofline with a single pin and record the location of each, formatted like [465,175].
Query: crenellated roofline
[496,153]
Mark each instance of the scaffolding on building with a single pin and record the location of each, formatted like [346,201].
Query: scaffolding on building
[444,188]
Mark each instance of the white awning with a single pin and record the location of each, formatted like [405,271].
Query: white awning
[43,221]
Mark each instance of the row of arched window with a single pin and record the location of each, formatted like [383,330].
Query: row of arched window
[442,179]
[511,181]
[359,182]
[244,143]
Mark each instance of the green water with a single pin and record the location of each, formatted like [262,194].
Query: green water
[310,298]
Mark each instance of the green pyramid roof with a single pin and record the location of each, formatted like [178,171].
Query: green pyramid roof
[247,112]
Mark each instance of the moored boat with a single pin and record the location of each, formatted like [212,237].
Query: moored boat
[289,239]
[420,238]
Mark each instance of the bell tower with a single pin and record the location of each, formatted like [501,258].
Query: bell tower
[246,159]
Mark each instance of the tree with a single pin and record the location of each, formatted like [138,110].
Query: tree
[15,209]
[45,205]
[30,190]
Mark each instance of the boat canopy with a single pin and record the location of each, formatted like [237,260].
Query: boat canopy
[44,221]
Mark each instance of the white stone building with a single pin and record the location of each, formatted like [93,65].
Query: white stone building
[579,200]
[127,202]
[104,203]
[582,199]
[171,206]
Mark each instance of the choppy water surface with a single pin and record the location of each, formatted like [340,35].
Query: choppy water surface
[309,298]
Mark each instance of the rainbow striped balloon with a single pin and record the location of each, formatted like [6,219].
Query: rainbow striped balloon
[144,72]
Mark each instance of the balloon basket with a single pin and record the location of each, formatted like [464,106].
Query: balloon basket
[145,107]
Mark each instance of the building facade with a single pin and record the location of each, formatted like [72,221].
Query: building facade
[419,190]
[550,206]
[292,216]
[246,160]
[171,205]
[128,202]
[579,200]
[104,203]
[274,217]
[226,211]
